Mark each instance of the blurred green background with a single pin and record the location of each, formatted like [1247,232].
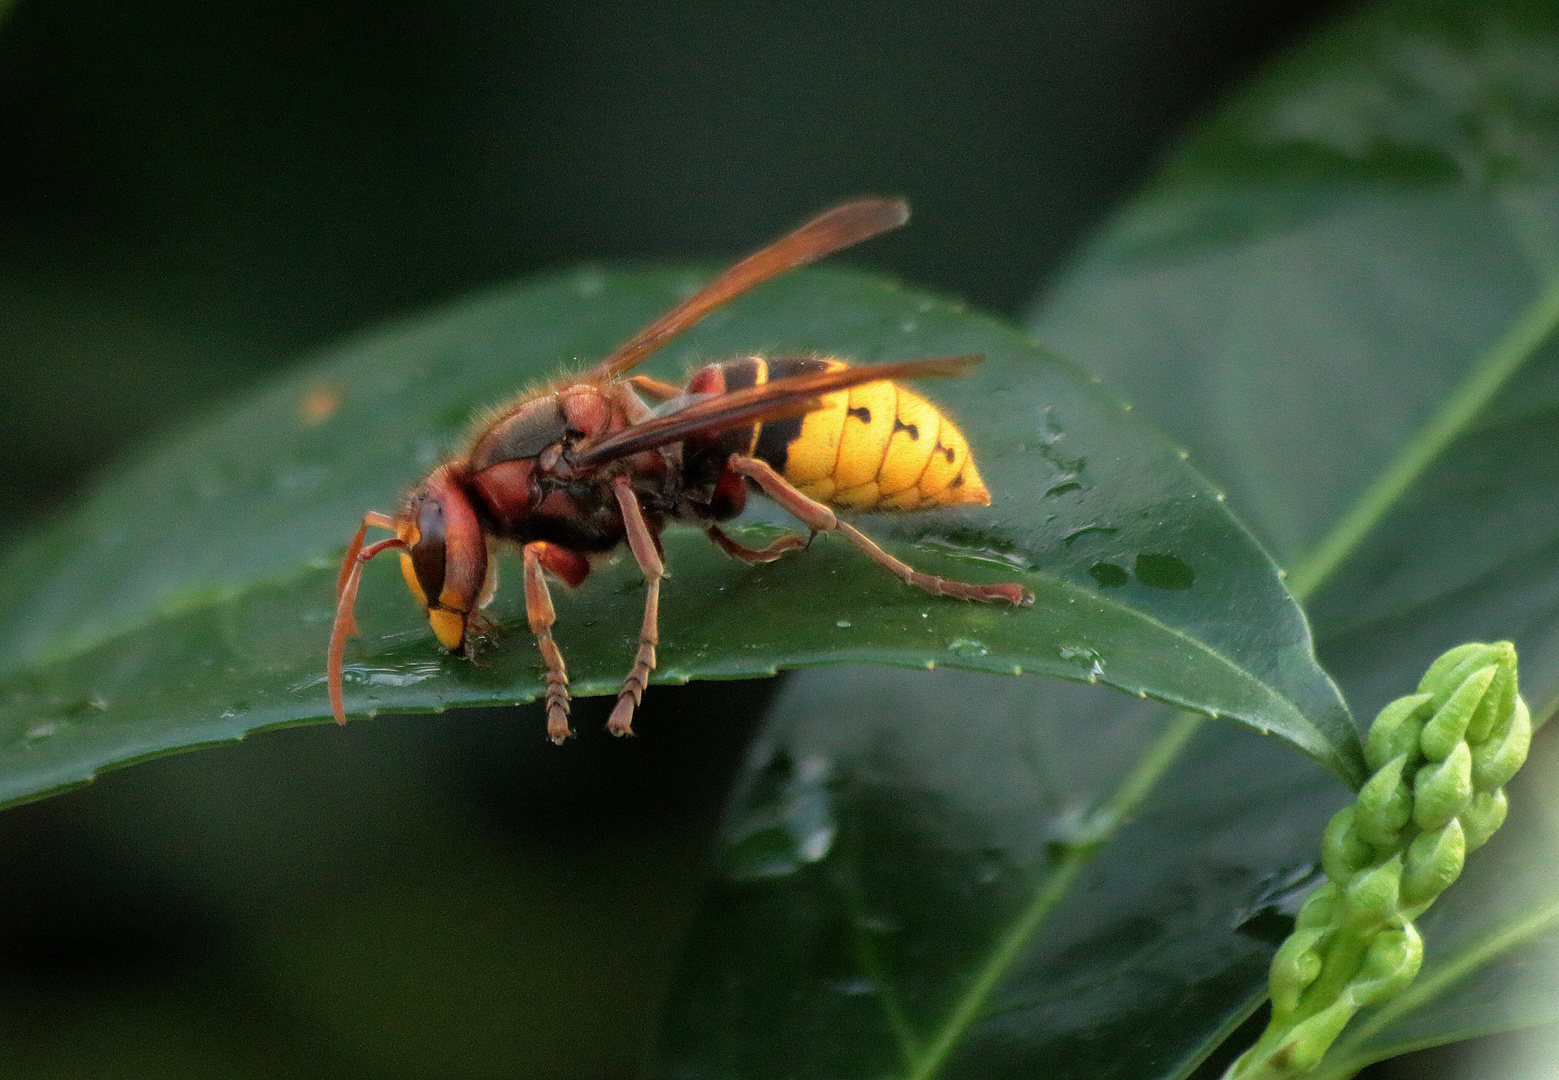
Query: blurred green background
[192,194]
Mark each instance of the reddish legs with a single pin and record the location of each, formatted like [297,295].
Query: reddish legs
[346,597]
[764,554]
[654,389]
[539,610]
[642,543]
[350,565]
[819,518]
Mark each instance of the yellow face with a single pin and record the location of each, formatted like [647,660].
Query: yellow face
[409,572]
[448,626]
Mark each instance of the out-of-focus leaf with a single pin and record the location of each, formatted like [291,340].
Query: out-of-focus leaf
[1342,296]
[940,874]
[189,599]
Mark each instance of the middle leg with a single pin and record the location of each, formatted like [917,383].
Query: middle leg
[767,553]
[642,543]
[541,614]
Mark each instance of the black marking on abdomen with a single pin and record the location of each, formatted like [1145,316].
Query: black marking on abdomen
[774,440]
[783,367]
[739,375]
[775,436]
[861,413]
[899,425]
[949,451]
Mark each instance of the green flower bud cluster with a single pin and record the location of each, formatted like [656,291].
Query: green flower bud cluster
[1440,760]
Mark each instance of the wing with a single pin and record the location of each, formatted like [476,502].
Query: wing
[783,397]
[828,232]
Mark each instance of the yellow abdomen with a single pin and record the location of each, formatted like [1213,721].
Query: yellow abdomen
[873,447]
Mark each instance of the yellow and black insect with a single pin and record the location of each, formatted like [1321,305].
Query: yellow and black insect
[874,447]
[568,473]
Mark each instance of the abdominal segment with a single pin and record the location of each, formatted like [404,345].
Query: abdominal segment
[875,447]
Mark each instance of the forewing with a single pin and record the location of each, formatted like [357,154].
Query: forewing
[769,401]
[828,232]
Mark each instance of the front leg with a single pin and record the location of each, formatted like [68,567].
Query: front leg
[642,543]
[346,599]
[539,610]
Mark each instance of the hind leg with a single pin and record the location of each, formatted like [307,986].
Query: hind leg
[819,518]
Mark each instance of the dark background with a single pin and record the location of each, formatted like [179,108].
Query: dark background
[191,194]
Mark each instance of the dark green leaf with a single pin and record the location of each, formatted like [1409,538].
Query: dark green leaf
[190,598]
[942,874]
[1342,296]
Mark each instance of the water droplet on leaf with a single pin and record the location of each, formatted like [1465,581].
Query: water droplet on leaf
[968,647]
[1108,575]
[1164,571]
[785,823]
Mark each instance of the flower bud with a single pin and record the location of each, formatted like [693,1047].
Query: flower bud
[1434,860]
[1373,896]
[1483,817]
[1396,730]
[1319,911]
[1384,805]
[1501,695]
[1343,851]
[1496,761]
[1440,759]
[1294,968]
[1311,1038]
[1392,961]
[1443,789]
[1448,727]
[1450,668]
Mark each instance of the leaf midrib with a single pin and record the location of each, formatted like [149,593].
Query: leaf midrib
[1149,768]
[1471,396]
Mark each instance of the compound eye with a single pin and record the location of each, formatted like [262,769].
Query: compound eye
[427,554]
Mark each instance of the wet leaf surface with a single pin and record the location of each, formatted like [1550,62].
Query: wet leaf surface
[189,600]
